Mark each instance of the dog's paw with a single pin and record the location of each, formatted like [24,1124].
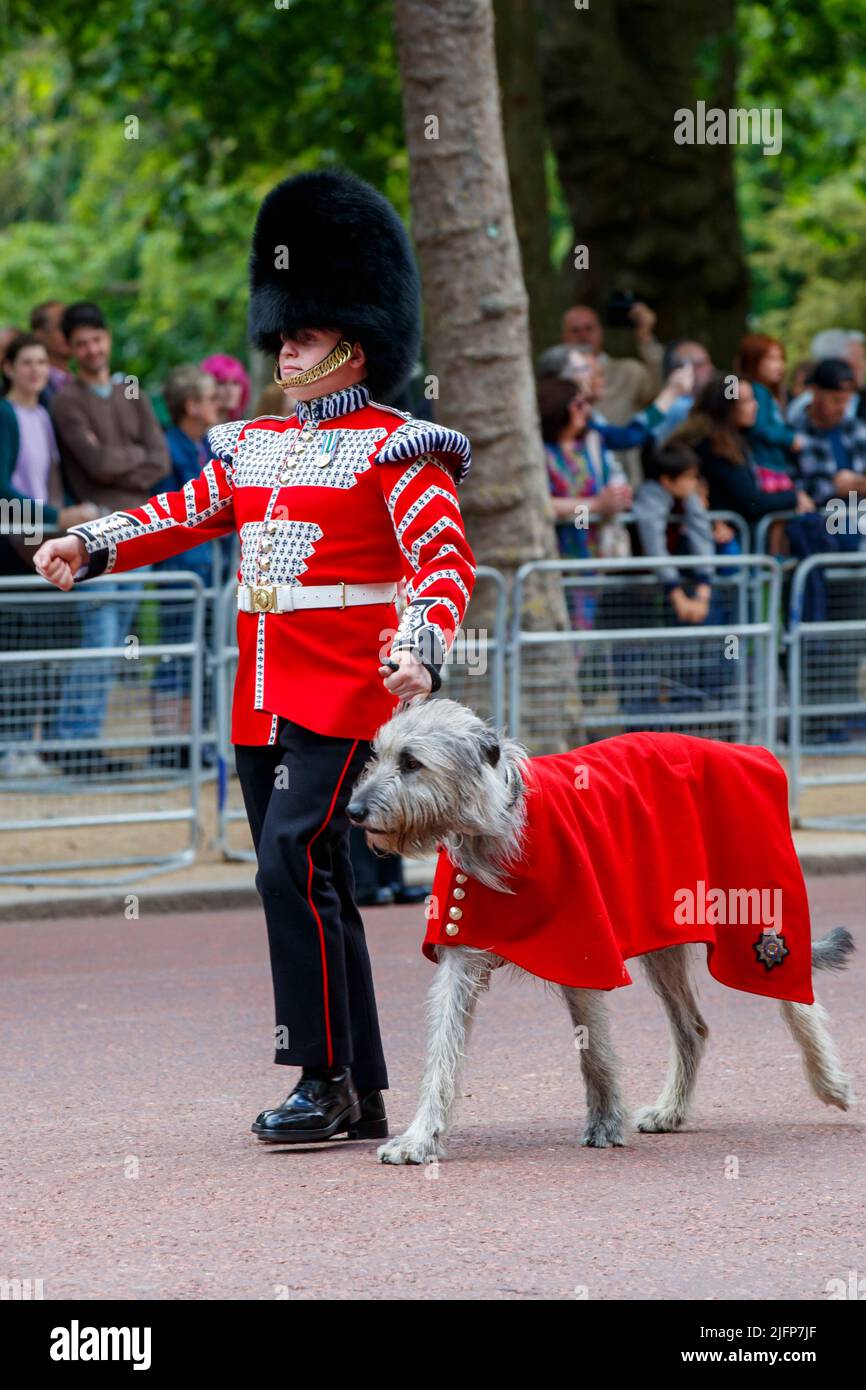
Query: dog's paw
[406,1148]
[655,1119]
[840,1094]
[603,1133]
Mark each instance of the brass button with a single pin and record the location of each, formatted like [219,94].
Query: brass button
[461,878]
[459,893]
[272,526]
[266,544]
[455,913]
[451,930]
[284,477]
[264,561]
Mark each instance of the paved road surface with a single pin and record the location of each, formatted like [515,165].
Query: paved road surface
[136,1053]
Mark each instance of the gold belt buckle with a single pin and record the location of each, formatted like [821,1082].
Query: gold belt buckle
[343,593]
[264,597]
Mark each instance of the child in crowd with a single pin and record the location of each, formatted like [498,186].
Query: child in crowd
[672,519]
[670,492]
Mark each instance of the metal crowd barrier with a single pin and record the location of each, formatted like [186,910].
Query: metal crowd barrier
[788,565]
[827,680]
[634,667]
[732,519]
[474,673]
[100,726]
[102,686]
[474,670]
[762,528]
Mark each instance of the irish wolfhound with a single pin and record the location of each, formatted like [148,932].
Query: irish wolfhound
[440,777]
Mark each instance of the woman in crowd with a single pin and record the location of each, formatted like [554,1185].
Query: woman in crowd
[774,445]
[584,479]
[233,386]
[718,429]
[31,494]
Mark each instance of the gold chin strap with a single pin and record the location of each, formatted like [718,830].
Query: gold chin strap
[337,357]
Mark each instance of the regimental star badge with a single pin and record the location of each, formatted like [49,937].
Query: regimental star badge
[770,949]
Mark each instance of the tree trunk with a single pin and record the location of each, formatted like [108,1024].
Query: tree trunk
[516,25]
[476,305]
[657,217]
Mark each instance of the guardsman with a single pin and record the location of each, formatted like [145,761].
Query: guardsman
[334,505]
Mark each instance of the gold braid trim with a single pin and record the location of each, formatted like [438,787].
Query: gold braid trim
[337,357]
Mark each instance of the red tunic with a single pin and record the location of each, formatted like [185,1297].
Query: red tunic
[355,492]
[635,843]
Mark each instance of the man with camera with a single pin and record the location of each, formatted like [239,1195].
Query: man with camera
[631,382]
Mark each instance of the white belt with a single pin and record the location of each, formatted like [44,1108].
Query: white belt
[286,598]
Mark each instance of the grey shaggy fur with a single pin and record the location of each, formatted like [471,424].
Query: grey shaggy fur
[468,794]
[440,775]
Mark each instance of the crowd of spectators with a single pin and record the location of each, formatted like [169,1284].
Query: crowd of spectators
[755,442]
[640,450]
[658,438]
[79,444]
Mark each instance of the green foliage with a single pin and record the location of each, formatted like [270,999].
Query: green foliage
[228,98]
[811,258]
[803,213]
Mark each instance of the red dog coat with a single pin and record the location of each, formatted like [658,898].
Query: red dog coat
[636,843]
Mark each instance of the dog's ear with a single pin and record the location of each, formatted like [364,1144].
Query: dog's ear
[489,746]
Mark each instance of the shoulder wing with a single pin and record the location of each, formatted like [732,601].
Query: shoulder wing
[413,438]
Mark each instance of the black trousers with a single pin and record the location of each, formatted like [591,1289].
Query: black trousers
[296,792]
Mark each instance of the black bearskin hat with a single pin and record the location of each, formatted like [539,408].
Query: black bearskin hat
[350,267]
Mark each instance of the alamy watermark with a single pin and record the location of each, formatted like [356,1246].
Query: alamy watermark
[847,518]
[720,907]
[22,516]
[469,648]
[736,126]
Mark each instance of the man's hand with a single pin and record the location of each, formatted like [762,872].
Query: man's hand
[643,321]
[690,610]
[682,380]
[59,560]
[846,480]
[411,679]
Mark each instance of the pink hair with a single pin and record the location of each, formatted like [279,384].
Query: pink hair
[224,368]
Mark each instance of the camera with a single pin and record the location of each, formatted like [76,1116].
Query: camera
[618,308]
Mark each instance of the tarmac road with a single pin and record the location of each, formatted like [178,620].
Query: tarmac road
[137,1052]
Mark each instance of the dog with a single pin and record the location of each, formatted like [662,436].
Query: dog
[440,777]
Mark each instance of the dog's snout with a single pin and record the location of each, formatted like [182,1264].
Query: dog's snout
[357,812]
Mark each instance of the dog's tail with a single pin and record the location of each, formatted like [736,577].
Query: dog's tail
[833,950]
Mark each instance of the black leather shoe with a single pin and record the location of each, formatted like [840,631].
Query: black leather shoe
[414,894]
[373,1123]
[318,1108]
[374,897]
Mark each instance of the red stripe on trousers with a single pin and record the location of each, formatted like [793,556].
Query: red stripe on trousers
[313,906]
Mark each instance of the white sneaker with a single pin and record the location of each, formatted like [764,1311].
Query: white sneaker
[36,766]
[14,763]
